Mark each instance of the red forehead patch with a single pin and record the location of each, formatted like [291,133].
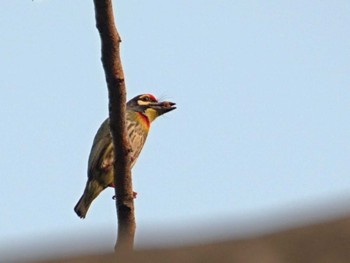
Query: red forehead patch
[151,97]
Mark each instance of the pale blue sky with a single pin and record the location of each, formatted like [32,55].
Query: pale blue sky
[262,124]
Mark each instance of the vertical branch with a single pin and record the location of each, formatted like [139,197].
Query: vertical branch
[111,61]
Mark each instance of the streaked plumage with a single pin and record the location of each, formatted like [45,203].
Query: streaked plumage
[140,112]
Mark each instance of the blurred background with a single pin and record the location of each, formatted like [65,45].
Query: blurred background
[259,141]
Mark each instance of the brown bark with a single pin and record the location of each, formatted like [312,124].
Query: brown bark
[111,61]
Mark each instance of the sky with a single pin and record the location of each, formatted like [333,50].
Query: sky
[260,135]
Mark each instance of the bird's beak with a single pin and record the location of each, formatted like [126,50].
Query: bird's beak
[163,107]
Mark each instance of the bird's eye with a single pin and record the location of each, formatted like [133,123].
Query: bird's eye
[146,99]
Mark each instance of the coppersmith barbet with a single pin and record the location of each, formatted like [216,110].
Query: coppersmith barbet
[140,112]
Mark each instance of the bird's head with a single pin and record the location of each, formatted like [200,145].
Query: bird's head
[148,105]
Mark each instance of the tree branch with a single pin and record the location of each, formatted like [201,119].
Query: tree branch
[111,61]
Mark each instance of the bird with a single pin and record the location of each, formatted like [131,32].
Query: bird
[141,111]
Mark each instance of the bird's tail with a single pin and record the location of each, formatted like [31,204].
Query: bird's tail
[92,190]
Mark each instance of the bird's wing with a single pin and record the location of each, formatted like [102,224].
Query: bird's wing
[101,145]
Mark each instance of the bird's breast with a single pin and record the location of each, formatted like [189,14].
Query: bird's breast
[137,130]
